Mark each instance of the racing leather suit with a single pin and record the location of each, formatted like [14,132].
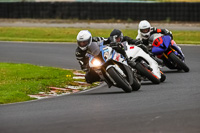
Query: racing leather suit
[83,59]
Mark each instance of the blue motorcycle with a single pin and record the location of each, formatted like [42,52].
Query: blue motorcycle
[166,49]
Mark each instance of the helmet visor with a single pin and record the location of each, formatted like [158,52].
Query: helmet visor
[115,38]
[83,43]
[145,30]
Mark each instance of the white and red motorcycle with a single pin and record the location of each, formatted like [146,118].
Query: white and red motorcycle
[146,67]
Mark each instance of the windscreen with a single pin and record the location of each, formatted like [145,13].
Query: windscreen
[94,48]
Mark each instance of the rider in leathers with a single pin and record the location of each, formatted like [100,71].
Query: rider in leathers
[145,31]
[84,41]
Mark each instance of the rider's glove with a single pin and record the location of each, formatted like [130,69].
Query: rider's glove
[113,44]
[120,45]
[116,45]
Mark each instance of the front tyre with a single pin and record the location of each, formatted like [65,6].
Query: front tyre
[147,73]
[179,63]
[121,81]
[163,77]
[136,85]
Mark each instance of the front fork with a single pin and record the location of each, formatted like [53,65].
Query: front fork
[169,52]
[102,76]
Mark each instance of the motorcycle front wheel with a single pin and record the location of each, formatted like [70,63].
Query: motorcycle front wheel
[163,77]
[147,73]
[136,85]
[121,81]
[179,63]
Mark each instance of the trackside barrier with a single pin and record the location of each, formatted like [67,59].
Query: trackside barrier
[99,10]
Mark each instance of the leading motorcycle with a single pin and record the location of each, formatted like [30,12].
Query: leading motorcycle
[113,68]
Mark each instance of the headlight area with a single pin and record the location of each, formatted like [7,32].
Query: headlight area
[96,62]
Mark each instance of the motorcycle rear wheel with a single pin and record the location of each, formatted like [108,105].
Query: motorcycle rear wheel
[180,63]
[121,81]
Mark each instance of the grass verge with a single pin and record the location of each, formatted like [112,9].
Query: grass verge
[17,81]
[69,34]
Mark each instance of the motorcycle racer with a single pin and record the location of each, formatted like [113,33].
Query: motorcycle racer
[145,31]
[115,41]
[85,46]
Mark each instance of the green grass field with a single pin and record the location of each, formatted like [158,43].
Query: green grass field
[17,81]
[69,34]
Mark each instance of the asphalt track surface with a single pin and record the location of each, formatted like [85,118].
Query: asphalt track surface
[170,107]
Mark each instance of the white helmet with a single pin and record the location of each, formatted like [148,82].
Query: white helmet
[84,39]
[144,29]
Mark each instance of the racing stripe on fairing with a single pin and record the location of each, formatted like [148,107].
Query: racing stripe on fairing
[152,74]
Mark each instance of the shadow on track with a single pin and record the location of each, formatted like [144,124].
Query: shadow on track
[173,71]
[105,93]
[110,93]
[148,83]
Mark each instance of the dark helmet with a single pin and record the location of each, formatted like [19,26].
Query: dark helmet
[115,34]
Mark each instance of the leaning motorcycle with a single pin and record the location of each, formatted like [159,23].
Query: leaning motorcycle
[166,49]
[113,69]
[145,66]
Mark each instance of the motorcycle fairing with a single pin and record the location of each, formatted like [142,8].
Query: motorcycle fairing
[137,53]
[161,44]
